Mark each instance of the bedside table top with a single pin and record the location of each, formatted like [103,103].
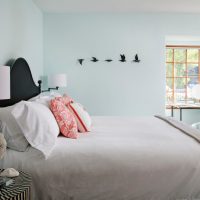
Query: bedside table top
[19,190]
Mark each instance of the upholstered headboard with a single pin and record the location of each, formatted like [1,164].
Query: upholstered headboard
[22,86]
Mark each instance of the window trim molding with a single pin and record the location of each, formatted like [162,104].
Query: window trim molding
[183,46]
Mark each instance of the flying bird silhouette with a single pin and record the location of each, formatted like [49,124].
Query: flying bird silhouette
[94,59]
[80,61]
[108,60]
[123,58]
[136,59]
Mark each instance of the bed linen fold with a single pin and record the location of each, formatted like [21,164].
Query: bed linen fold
[185,128]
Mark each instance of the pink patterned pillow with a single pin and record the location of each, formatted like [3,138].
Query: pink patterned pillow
[64,118]
[65,99]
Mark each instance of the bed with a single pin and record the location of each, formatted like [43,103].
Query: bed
[121,158]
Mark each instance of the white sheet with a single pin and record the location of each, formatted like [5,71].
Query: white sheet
[122,158]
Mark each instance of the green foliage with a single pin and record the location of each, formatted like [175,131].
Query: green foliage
[192,55]
[180,69]
[169,55]
[176,59]
[179,55]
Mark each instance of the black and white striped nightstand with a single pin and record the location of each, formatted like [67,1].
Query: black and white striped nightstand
[20,189]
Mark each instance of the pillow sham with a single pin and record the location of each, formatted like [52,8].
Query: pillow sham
[64,118]
[38,125]
[45,94]
[12,132]
[44,98]
[82,117]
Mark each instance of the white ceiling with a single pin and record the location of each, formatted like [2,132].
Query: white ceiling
[62,6]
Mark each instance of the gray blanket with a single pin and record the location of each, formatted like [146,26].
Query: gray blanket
[188,130]
[123,158]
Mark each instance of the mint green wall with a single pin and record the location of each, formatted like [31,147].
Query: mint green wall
[104,88]
[114,88]
[21,33]
[108,88]
[188,116]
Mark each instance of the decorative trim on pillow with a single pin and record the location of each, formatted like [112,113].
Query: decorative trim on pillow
[82,117]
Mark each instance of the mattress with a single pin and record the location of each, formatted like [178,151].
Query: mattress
[122,158]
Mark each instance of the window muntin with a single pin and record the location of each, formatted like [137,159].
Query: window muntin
[182,73]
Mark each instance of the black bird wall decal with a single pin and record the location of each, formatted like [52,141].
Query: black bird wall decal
[108,60]
[94,59]
[136,59]
[80,61]
[123,58]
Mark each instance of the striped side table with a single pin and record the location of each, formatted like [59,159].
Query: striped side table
[20,189]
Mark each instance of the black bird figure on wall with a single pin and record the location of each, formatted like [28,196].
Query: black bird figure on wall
[80,61]
[108,60]
[136,59]
[94,59]
[123,58]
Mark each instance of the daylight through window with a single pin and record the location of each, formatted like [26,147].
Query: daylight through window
[182,73]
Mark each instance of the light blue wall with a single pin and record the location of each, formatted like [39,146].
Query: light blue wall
[21,33]
[108,88]
[103,88]
[114,88]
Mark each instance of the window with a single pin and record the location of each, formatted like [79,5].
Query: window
[182,73]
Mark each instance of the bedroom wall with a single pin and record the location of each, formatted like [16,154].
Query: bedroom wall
[114,88]
[21,33]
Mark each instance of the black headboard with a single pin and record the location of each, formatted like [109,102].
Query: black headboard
[22,86]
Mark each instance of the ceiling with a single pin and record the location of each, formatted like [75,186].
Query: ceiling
[62,6]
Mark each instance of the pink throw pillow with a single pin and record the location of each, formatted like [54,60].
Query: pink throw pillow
[82,117]
[66,121]
[65,99]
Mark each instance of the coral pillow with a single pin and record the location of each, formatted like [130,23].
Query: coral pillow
[64,118]
[82,117]
[65,99]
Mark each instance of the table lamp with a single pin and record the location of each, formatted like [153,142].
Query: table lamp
[4,82]
[4,94]
[56,81]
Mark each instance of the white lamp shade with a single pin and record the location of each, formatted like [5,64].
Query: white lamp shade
[57,80]
[196,91]
[5,82]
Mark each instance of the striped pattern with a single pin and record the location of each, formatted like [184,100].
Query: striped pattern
[82,117]
[19,190]
[81,126]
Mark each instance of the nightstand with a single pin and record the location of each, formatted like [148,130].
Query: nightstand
[19,190]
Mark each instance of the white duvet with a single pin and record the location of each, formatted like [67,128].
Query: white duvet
[121,159]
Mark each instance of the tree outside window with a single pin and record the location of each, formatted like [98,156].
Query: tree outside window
[182,73]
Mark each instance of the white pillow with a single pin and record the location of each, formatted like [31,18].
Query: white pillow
[12,132]
[45,98]
[38,125]
[82,117]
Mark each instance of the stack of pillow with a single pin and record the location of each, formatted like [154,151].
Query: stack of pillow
[39,121]
[70,116]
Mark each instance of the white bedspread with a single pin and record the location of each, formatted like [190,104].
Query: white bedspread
[121,159]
